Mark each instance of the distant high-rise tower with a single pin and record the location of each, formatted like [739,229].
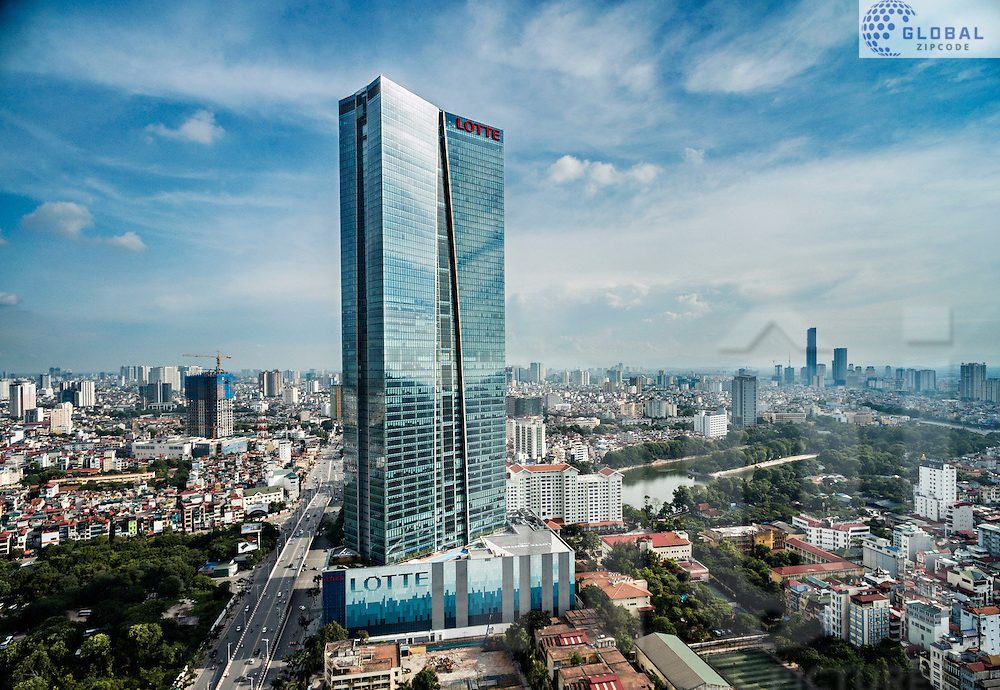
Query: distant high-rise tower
[209,404]
[840,366]
[537,372]
[744,401]
[810,356]
[80,393]
[422,278]
[270,383]
[972,382]
[22,398]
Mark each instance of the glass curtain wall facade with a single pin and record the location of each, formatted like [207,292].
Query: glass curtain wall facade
[422,276]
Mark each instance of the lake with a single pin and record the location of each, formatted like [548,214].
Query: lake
[656,482]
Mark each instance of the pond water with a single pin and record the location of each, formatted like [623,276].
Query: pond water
[656,482]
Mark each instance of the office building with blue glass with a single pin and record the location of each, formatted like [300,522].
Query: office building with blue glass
[422,276]
[493,581]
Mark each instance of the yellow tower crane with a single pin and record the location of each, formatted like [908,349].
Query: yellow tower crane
[218,357]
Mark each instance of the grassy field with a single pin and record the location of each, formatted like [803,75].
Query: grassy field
[752,669]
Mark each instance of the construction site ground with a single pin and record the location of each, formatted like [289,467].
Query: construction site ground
[464,667]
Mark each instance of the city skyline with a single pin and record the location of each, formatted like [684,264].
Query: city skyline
[190,199]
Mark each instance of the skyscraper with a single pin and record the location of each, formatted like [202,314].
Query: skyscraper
[744,401]
[810,356]
[972,381]
[422,271]
[270,383]
[840,366]
[209,404]
[22,398]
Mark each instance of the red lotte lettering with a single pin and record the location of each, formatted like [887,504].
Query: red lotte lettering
[477,128]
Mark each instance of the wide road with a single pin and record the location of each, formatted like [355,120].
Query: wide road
[249,635]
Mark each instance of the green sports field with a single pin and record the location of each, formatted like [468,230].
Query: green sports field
[752,669]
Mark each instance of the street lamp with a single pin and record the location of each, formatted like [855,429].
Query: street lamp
[267,649]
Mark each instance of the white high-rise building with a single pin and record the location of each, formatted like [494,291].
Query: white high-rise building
[936,491]
[659,409]
[528,435]
[22,398]
[80,393]
[291,395]
[559,491]
[5,389]
[61,419]
[711,424]
[171,375]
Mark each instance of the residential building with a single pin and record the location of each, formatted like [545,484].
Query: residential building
[982,624]
[80,393]
[61,419]
[559,492]
[936,490]
[528,435]
[744,401]
[868,619]
[151,394]
[270,383]
[624,591]
[989,538]
[830,534]
[354,665]
[810,356]
[711,424]
[880,554]
[22,398]
[422,285]
[926,623]
[659,409]
[673,545]
[911,540]
[972,381]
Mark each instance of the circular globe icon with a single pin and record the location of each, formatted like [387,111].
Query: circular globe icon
[884,21]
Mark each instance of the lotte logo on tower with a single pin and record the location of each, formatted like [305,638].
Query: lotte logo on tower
[477,128]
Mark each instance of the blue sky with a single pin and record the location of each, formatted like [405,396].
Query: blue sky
[686,182]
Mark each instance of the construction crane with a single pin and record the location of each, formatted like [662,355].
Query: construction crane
[218,357]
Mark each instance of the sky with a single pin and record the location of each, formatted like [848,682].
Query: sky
[688,184]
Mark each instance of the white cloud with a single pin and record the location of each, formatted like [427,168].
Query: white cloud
[599,174]
[8,299]
[128,240]
[696,156]
[59,217]
[743,60]
[200,128]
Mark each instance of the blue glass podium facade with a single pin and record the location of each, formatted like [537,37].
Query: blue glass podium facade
[465,588]
[422,277]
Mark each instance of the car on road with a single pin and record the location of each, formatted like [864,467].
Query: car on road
[264,629]
[302,607]
[239,628]
[247,608]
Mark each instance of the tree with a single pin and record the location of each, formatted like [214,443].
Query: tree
[426,679]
